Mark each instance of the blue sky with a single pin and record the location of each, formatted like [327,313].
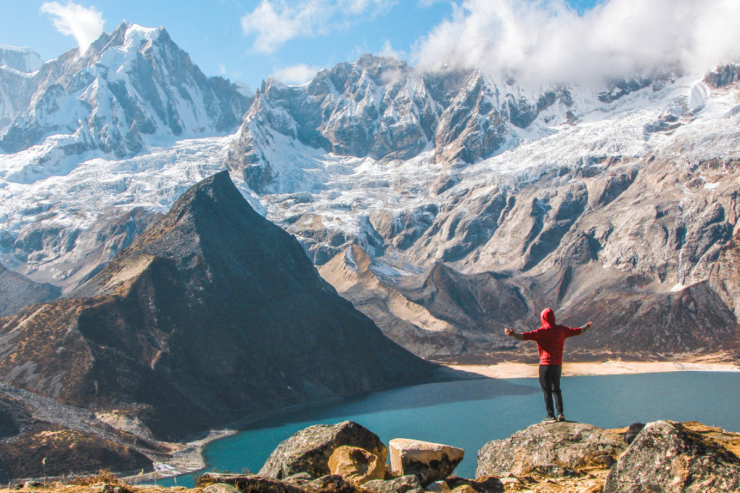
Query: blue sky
[237,38]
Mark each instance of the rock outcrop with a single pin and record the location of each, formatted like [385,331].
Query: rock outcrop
[430,462]
[213,309]
[309,450]
[550,449]
[668,456]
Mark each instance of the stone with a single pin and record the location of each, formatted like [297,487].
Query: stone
[355,465]
[552,449]
[244,482]
[404,484]
[220,488]
[429,461]
[298,479]
[309,450]
[466,488]
[669,457]
[331,483]
[437,487]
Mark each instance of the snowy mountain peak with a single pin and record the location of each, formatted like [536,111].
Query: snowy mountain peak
[130,84]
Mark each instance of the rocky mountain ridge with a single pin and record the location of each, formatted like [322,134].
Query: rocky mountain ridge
[568,197]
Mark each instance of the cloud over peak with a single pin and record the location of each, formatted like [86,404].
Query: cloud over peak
[545,41]
[275,22]
[84,24]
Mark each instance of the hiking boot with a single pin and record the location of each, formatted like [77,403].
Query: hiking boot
[549,419]
[561,417]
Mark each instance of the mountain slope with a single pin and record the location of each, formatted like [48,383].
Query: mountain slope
[212,310]
[16,292]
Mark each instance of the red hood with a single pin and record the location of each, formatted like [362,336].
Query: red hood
[548,318]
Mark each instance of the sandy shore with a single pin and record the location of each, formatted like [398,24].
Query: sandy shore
[610,367]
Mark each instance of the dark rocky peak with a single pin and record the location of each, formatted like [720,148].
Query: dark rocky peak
[723,76]
[214,310]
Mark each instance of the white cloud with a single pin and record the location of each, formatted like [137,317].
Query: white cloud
[85,25]
[296,74]
[388,51]
[545,41]
[274,22]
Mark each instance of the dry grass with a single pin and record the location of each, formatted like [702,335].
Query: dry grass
[103,476]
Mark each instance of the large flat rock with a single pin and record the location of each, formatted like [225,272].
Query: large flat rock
[550,448]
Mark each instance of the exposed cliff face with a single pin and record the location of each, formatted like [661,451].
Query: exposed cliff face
[381,108]
[214,310]
[129,84]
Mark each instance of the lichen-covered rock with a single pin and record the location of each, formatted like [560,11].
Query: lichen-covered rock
[669,457]
[429,461]
[244,482]
[554,449]
[404,484]
[355,465]
[309,450]
[220,488]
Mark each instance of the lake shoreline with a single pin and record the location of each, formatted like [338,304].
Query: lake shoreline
[190,458]
[507,370]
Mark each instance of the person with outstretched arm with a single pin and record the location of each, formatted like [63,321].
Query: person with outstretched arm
[550,340]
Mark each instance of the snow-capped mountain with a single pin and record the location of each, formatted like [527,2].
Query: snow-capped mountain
[21,59]
[563,191]
[131,87]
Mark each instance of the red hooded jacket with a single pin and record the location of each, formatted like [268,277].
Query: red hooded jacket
[550,338]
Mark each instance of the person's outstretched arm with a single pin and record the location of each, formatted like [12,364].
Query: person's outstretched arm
[586,327]
[510,332]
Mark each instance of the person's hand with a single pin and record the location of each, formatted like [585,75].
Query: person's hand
[588,325]
[509,331]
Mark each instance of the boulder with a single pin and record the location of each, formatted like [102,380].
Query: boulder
[243,482]
[669,457]
[309,450]
[355,465]
[220,488]
[331,484]
[404,484]
[429,461]
[550,449]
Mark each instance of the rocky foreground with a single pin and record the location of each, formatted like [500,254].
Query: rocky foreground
[664,456]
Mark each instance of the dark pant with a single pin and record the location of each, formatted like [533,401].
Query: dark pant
[550,383]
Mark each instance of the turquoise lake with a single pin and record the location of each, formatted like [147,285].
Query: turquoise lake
[468,414]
